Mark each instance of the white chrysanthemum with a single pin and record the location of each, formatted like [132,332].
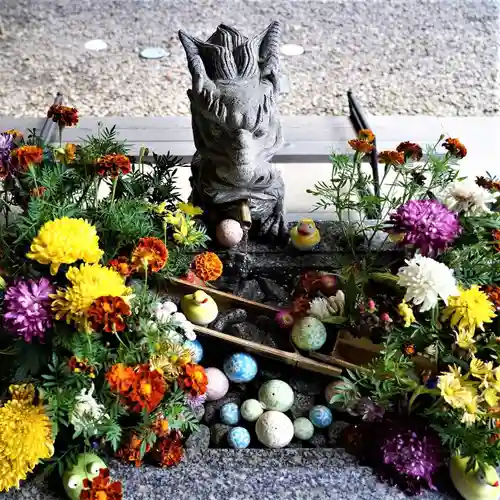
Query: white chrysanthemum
[468,198]
[87,412]
[426,281]
[186,326]
[164,310]
[323,308]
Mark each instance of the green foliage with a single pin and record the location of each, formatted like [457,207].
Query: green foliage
[178,263]
[104,143]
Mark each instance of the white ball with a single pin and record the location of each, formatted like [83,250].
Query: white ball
[229,233]
[276,395]
[218,384]
[251,410]
[274,429]
[303,428]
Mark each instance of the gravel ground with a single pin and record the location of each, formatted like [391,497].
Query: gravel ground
[437,57]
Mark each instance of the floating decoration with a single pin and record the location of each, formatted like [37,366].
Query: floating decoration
[474,485]
[274,429]
[321,416]
[276,395]
[199,308]
[218,384]
[238,438]
[303,428]
[153,53]
[196,350]
[87,466]
[292,49]
[96,45]
[251,410]
[240,367]
[230,414]
[305,235]
[309,334]
[229,233]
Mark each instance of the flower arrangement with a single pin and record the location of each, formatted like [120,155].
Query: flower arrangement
[97,355]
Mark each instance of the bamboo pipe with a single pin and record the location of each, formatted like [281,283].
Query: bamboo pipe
[245,215]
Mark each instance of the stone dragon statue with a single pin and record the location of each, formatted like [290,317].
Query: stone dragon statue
[236,126]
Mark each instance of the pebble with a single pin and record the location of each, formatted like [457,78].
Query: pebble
[317,441]
[218,433]
[335,432]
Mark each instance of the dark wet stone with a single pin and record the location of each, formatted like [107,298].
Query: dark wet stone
[211,413]
[228,318]
[274,292]
[317,441]
[228,283]
[250,289]
[238,264]
[249,331]
[308,384]
[199,440]
[302,403]
[199,412]
[218,434]
[295,444]
[336,431]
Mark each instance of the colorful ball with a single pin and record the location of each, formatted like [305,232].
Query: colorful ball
[218,384]
[274,429]
[303,428]
[229,233]
[276,395]
[309,334]
[230,414]
[196,350]
[320,416]
[238,438]
[251,410]
[240,367]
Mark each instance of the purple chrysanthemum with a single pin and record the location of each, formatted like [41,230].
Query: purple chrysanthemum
[195,402]
[6,145]
[426,224]
[27,308]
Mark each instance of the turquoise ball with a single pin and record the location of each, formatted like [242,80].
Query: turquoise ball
[238,438]
[321,416]
[230,414]
[196,350]
[309,334]
[240,367]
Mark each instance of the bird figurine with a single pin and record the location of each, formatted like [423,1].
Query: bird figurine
[474,484]
[199,308]
[305,235]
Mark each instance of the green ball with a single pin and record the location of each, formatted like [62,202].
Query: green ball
[276,395]
[303,428]
[309,334]
[251,410]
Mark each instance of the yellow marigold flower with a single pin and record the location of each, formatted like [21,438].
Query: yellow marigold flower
[189,209]
[470,414]
[87,283]
[66,154]
[469,310]
[64,241]
[25,437]
[490,395]
[465,340]
[406,312]
[453,391]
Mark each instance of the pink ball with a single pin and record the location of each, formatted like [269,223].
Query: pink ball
[218,384]
[229,233]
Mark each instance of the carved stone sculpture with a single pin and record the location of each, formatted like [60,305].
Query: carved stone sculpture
[236,125]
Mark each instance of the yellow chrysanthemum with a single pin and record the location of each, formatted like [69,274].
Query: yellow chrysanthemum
[25,437]
[189,209]
[465,340]
[490,395]
[169,358]
[453,391]
[470,413]
[479,369]
[469,310]
[64,241]
[406,312]
[87,283]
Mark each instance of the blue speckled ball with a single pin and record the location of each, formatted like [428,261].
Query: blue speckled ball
[240,367]
[196,350]
[320,416]
[238,437]
[230,414]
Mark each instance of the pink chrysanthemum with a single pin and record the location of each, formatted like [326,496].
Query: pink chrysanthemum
[425,224]
[27,311]
[195,402]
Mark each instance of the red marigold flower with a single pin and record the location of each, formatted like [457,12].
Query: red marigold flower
[361,146]
[25,156]
[64,116]
[107,314]
[410,150]
[493,292]
[365,134]
[77,365]
[150,252]
[101,488]
[393,158]
[455,147]
[193,379]
[409,349]
[38,192]
[113,165]
[496,239]
[120,378]
[131,450]
[121,265]
[168,451]
[207,266]
[148,389]
[488,184]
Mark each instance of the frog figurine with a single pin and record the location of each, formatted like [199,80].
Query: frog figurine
[87,466]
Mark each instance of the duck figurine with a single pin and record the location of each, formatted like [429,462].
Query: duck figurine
[199,308]
[305,235]
[475,484]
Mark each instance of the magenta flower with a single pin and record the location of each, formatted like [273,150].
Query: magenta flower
[284,319]
[27,309]
[425,224]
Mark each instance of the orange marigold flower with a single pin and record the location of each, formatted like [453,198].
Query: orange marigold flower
[148,389]
[193,379]
[365,134]
[131,450]
[64,116]
[25,156]
[107,314]
[101,488]
[496,239]
[38,192]
[150,252]
[121,265]
[393,158]
[493,292]
[168,451]
[410,150]
[120,378]
[207,266]
[113,165]
[161,427]
[455,147]
[361,146]
[488,184]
